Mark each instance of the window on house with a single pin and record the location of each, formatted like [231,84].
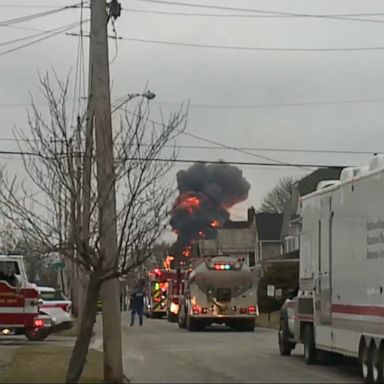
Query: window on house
[252,261]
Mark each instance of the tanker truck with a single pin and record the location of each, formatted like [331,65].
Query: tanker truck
[219,290]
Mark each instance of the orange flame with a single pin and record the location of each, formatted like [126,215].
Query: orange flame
[215,224]
[167,262]
[190,203]
[187,252]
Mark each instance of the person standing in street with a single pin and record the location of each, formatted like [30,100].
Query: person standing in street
[136,303]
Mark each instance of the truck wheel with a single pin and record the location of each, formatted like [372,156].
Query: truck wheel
[181,321]
[191,324]
[377,365]
[309,345]
[380,364]
[285,346]
[366,363]
[36,334]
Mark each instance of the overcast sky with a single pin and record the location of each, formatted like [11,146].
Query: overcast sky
[335,93]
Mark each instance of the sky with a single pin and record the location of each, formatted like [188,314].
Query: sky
[289,92]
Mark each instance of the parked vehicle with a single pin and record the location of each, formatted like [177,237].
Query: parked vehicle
[220,290]
[158,282]
[340,303]
[55,304]
[19,299]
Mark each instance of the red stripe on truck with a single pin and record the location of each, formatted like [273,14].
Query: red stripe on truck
[25,319]
[367,310]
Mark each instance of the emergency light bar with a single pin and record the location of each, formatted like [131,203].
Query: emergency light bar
[224,265]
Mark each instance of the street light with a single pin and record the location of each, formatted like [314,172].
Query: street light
[147,94]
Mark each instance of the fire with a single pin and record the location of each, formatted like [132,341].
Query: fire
[189,203]
[215,224]
[167,262]
[187,252]
[201,234]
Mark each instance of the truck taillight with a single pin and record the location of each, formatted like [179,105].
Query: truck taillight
[38,323]
[252,310]
[196,309]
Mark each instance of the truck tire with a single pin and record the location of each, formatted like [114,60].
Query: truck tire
[181,321]
[366,363]
[36,334]
[310,353]
[191,324]
[285,346]
[377,365]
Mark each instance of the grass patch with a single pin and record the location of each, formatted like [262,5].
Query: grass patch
[263,320]
[48,364]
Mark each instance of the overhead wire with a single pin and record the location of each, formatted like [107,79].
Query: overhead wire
[236,15]
[263,11]
[277,105]
[220,144]
[55,32]
[261,149]
[263,164]
[248,48]
[22,19]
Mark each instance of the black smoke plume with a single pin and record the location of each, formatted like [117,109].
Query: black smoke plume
[206,192]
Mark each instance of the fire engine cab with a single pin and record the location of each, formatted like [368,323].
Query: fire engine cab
[19,302]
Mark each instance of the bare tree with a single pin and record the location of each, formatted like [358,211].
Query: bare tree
[274,201]
[141,163]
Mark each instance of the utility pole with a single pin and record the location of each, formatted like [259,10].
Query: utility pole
[110,290]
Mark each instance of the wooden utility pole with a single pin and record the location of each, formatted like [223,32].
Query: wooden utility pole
[110,290]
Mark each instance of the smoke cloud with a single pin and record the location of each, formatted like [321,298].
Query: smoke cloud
[207,191]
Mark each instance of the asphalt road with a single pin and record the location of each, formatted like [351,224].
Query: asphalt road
[160,352]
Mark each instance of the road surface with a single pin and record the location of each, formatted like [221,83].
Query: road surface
[160,352]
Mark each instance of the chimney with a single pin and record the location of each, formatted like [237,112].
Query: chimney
[251,215]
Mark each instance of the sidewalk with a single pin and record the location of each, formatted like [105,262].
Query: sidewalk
[6,356]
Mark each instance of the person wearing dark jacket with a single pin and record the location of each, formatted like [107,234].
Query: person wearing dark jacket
[136,304]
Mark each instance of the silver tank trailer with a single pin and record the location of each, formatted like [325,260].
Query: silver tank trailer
[221,290]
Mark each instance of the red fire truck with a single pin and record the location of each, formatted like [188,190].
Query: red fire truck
[158,282]
[19,302]
[175,289]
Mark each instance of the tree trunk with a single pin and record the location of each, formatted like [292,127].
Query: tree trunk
[80,351]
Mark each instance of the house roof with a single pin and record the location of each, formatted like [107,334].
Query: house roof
[269,225]
[236,224]
[309,183]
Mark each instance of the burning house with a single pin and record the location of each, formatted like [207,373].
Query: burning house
[206,192]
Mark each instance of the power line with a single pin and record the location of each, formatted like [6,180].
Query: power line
[281,164]
[244,106]
[254,15]
[22,19]
[261,149]
[218,143]
[344,17]
[245,48]
[277,105]
[29,37]
[55,32]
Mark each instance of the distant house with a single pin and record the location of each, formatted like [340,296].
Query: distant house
[257,239]
[269,244]
[291,219]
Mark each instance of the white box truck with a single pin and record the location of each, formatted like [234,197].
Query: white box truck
[340,303]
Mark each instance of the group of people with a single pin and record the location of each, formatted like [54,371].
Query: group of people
[137,302]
